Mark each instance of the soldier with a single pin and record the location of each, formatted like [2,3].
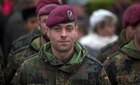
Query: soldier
[29,15]
[14,26]
[30,50]
[63,61]
[123,66]
[25,40]
[125,36]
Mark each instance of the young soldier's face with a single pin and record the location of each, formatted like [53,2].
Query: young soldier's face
[31,23]
[63,36]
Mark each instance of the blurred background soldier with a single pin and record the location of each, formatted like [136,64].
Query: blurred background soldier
[15,26]
[33,30]
[123,66]
[26,52]
[126,35]
[29,17]
[30,23]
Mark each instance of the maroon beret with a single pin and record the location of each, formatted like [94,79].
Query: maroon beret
[42,3]
[45,10]
[61,14]
[131,15]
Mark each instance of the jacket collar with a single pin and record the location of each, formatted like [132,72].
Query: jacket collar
[71,65]
[131,50]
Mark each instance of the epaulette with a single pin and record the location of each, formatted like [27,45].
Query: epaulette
[20,49]
[21,38]
[23,41]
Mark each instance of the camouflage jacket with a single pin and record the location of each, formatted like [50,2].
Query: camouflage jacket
[17,58]
[24,41]
[45,69]
[21,43]
[112,48]
[123,67]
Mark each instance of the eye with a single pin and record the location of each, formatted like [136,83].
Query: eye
[33,20]
[69,28]
[56,28]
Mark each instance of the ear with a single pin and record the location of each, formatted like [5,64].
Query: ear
[38,20]
[76,30]
[48,31]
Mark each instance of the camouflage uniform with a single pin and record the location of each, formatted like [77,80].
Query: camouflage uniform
[19,56]
[123,67]
[1,70]
[45,69]
[23,41]
[112,48]
[20,43]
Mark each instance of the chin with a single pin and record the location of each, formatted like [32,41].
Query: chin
[64,49]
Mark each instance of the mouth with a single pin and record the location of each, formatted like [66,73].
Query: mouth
[63,42]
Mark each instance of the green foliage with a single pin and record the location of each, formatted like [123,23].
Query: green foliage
[97,4]
[100,4]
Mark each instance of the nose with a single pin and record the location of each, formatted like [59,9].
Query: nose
[63,33]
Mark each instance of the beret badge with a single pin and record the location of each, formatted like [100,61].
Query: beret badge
[70,15]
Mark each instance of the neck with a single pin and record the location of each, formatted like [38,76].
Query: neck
[137,44]
[42,40]
[62,55]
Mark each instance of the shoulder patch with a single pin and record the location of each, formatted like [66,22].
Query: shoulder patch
[21,38]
